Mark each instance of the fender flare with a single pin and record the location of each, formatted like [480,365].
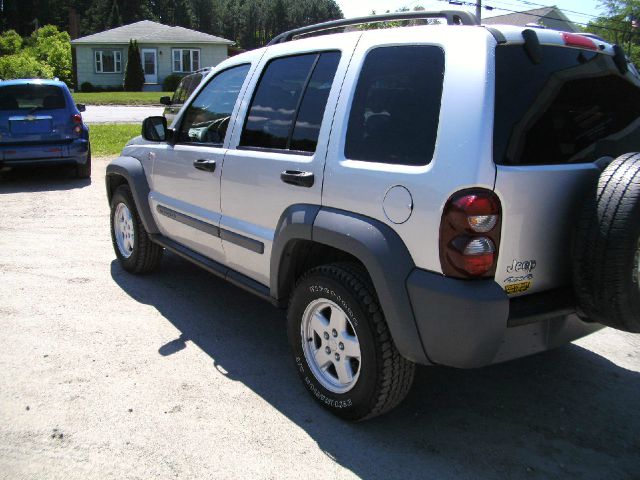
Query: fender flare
[376,245]
[132,171]
[296,223]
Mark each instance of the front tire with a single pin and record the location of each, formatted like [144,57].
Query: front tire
[341,344]
[134,249]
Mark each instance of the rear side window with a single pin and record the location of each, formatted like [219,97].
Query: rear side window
[396,106]
[31,97]
[573,107]
[207,117]
[287,109]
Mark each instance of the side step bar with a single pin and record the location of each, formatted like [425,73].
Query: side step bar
[216,268]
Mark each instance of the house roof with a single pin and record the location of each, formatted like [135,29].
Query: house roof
[147,31]
[551,17]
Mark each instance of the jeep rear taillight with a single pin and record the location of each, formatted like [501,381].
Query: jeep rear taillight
[470,234]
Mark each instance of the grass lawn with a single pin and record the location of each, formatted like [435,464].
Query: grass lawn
[109,139]
[120,98]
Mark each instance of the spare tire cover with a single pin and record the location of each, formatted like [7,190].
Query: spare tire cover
[606,248]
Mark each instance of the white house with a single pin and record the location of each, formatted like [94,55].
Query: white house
[101,58]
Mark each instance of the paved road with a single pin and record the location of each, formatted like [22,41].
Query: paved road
[118,113]
[179,375]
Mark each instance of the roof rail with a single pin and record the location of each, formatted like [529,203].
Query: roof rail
[454,17]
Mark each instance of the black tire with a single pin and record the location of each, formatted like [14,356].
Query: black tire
[84,170]
[384,377]
[145,255]
[606,248]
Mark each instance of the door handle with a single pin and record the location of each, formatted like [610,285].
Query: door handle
[206,165]
[297,177]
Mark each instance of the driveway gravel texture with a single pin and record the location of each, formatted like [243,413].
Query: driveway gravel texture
[178,374]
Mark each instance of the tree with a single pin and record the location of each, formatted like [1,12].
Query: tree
[52,47]
[134,75]
[10,42]
[617,26]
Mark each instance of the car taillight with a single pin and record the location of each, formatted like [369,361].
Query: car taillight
[77,121]
[470,234]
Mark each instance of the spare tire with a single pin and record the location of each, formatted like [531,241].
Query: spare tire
[606,250]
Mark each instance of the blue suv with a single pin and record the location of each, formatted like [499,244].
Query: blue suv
[40,124]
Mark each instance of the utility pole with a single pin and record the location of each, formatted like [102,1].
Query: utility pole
[478,9]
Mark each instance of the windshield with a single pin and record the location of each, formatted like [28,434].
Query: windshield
[31,97]
[572,107]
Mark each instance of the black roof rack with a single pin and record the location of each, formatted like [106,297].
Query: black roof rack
[454,17]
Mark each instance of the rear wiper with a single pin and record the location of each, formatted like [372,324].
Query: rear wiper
[33,109]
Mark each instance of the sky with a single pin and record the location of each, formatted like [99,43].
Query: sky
[586,8]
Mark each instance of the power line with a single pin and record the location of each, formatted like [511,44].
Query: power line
[533,4]
[537,4]
[488,7]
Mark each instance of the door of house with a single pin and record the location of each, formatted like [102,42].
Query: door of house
[149,65]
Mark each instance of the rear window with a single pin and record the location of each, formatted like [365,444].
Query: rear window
[573,107]
[31,97]
[396,106]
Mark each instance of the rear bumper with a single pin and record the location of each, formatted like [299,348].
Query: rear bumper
[70,153]
[469,324]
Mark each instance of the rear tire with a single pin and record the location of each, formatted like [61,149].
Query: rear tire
[354,371]
[606,263]
[84,170]
[134,249]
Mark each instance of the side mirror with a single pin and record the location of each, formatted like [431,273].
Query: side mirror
[81,107]
[155,129]
[165,100]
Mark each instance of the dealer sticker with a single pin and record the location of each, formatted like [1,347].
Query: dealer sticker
[517,287]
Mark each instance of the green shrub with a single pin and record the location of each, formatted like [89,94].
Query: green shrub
[134,75]
[87,87]
[10,42]
[170,82]
[23,66]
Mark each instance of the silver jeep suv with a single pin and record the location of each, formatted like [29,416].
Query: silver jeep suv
[438,194]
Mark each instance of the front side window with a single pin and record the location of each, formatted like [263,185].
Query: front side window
[207,117]
[108,61]
[396,106]
[289,102]
[186,59]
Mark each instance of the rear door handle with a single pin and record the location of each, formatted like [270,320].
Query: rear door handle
[206,165]
[297,177]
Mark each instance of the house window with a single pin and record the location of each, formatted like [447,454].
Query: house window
[186,59]
[108,61]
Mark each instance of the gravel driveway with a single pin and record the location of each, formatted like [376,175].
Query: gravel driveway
[179,375]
